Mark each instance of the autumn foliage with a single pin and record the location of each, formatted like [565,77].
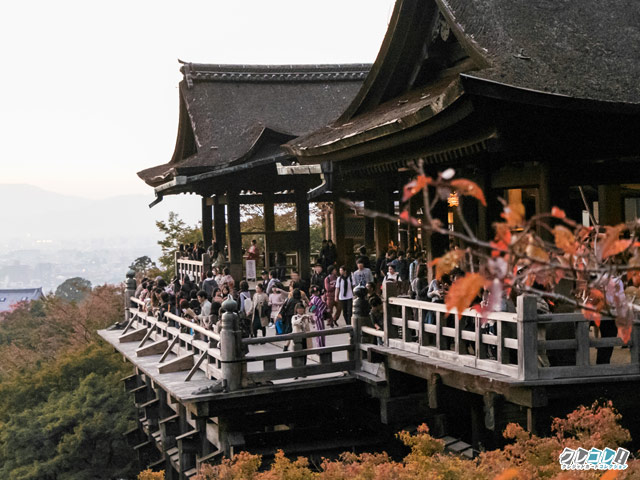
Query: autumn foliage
[533,255]
[526,457]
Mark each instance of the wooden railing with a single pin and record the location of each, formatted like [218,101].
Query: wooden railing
[522,345]
[220,354]
[196,269]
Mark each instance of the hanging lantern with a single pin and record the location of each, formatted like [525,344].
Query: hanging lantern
[453,200]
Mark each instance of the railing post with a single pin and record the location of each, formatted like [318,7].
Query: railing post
[359,318]
[527,337]
[231,346]
[130,291]
[176,257]
[389,289]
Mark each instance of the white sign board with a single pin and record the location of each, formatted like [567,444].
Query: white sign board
[251,269]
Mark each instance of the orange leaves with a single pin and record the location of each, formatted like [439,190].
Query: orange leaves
[610,475]
[464,291]
[537,253]
[469,188]
[513,214]
[596,302]
[558,213]
[447,262]
[444,186]
[565,239]
[509,474]
[612,245]
[414,186]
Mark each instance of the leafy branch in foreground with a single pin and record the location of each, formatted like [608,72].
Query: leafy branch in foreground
[602,263]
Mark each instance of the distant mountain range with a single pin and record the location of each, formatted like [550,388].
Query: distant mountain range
[32,213]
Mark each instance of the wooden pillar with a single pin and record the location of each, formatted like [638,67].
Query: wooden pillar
[381,225]
[269,228]
[609,204]
[339,212]
[393,226]
[207,219]
[219,223]
[369,226]
[235,235]
[304,232]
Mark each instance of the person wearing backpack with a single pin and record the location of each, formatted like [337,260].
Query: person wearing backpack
[246,308]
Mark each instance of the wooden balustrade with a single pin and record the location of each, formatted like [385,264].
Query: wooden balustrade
[523,345]
[519,345]
[206,350]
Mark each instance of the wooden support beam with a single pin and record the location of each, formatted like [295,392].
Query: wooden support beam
[153,349]
[168,350]
[207,219]
[133,336]
[304,232]
[177,364]
[235,235]
[195,367]
[219,223]
[339,212]
[147,335]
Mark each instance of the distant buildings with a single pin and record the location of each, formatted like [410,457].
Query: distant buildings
[10,297]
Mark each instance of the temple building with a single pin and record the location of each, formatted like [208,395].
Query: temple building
[531,100]
[233,120]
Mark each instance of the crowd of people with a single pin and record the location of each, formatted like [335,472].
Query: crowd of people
[325,300]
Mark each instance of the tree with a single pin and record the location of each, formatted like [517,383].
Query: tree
[142,265]
[73,289]
[62,406]
[598,261]
[528,457]
[176,232]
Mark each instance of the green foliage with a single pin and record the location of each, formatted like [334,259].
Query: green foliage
[175,232]
[142,265]
[62,406]
[73,289]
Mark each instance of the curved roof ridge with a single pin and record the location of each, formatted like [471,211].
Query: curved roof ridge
[274,73]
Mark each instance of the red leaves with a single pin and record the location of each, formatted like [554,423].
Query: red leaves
[447,262]
[612,245]
[558,213]
[595,301]
[469,188]
[414,186]
[444,187]
[464,291]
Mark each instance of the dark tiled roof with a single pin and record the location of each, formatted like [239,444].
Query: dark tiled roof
[585,49]
[227,110]
[11,296]
[578,49]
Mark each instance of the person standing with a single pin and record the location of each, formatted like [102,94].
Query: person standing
[260,312]
[318,308]
[362,275]
[330,296]
[344,294]
[277,297]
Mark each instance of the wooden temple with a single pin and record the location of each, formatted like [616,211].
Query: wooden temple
[233,119]
[520,98]
[529,99]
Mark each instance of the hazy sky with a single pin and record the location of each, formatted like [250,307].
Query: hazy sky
[89,88]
